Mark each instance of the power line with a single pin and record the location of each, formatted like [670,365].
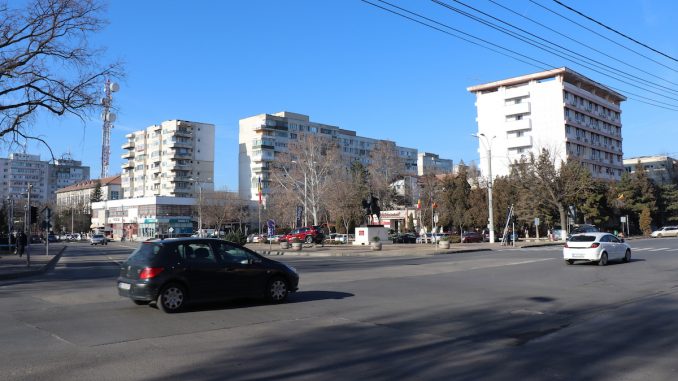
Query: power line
[582,44]
[614,30]
[545,67]
[600,35]
[612,72]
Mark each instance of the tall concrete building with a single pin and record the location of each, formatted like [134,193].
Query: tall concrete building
[572,116]
[174,159]
[661,169]
[262,136]
[20,169]
[431,163]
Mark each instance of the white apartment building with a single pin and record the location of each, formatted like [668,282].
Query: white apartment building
[262,136]
[20,169]
[174,158]
[572,116]
[432,163]
[661,169]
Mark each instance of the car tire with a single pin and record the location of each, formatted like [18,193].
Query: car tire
[627,256]
[172,298]
[277,290]
[603,259]
[659,236]
[569,261]
[309,239]
[141,302]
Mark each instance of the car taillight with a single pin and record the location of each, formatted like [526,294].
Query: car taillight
[594,245]
[150,272]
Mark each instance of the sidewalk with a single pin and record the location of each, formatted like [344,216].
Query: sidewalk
[389,249]
[11,266]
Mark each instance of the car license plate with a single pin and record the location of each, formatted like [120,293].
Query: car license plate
[124,286]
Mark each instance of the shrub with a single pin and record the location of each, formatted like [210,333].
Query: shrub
[295,240]
[236,236]
[376,239]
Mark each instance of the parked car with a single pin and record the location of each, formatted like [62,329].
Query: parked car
[666,231]
[308,234]
[585,228]
[404,238]
[98,239]
[468,237]
[35,239]
[175,271]
[52,238]
[596,247]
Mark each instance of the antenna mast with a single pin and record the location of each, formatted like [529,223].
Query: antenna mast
[108,118]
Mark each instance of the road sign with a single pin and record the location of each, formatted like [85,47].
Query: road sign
[623,218]
[171,230]
[536,221]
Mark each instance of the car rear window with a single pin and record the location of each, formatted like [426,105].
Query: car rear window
[146,252]
[583,238]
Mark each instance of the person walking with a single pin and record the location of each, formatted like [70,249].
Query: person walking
[21,243]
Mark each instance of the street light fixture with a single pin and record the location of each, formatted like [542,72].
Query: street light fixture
[488,146]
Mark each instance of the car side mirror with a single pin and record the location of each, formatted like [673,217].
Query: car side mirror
[621,240]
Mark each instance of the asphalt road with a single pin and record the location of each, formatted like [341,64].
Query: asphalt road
[512,314]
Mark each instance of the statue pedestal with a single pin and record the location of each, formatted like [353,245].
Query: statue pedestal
[365,234]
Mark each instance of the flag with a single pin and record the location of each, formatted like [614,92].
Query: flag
[435,205]
[259,190]
[419,204]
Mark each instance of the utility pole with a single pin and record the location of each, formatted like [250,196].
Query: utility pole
[488,145]
[27,222]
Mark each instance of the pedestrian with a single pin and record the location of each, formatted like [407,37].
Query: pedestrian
[21,243]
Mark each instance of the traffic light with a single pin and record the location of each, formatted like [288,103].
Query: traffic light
[34,214]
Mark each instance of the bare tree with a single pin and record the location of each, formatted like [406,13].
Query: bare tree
[384,168]
[46,64]
[345,201]
[305,171]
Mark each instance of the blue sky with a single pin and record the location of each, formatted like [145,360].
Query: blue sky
[347,63]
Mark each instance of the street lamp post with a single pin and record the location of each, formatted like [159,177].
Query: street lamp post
[488,145]
[305,194]
[197,180]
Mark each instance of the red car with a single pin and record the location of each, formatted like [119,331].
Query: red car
[308,234]
[468,237]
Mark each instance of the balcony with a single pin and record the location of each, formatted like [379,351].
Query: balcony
[127,155]
[522,141]
[128,164]
[517,92]
[517,125]
[128,145]
[177,179]
[517,108]
[188,144]
[177,155]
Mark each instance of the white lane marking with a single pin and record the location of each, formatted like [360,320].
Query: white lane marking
[641,248]
[673,250]
[659,249]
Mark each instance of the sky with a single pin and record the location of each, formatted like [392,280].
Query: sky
[349,64]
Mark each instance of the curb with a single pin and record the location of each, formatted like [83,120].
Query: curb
[48,266]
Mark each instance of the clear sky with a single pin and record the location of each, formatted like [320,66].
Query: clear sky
[349,64]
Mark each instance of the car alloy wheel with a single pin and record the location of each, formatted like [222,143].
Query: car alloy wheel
[277,290]
[569,261]
[627,256]
[603,259]
[171,298]
[309,239]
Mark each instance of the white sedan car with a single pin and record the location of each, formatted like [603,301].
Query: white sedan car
[596,247]
[666,231]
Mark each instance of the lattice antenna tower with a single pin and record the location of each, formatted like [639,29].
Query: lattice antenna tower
[108,118]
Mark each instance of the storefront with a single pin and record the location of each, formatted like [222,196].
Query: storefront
[396,219]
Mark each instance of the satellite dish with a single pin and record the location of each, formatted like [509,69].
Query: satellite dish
[110,117]
[114,87]
[104,100]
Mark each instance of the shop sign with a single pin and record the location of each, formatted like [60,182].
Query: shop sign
[150,220]
[393,214]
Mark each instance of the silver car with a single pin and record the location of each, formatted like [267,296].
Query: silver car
[666,231]
[98,239]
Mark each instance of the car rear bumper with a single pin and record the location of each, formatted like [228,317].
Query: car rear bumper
[137,290]
[581,254]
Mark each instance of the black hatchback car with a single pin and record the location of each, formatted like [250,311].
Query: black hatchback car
[172,272]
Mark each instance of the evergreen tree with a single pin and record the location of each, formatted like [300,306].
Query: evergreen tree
[97,195]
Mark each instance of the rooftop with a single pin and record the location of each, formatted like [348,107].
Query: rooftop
[90,184]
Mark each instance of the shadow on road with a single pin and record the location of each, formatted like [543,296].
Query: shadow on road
[296,297]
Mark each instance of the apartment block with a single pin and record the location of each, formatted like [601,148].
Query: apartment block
[262,136]
[79,196]
[560,110]
[430,163]
[21,169]
[661,169]
[171,159]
